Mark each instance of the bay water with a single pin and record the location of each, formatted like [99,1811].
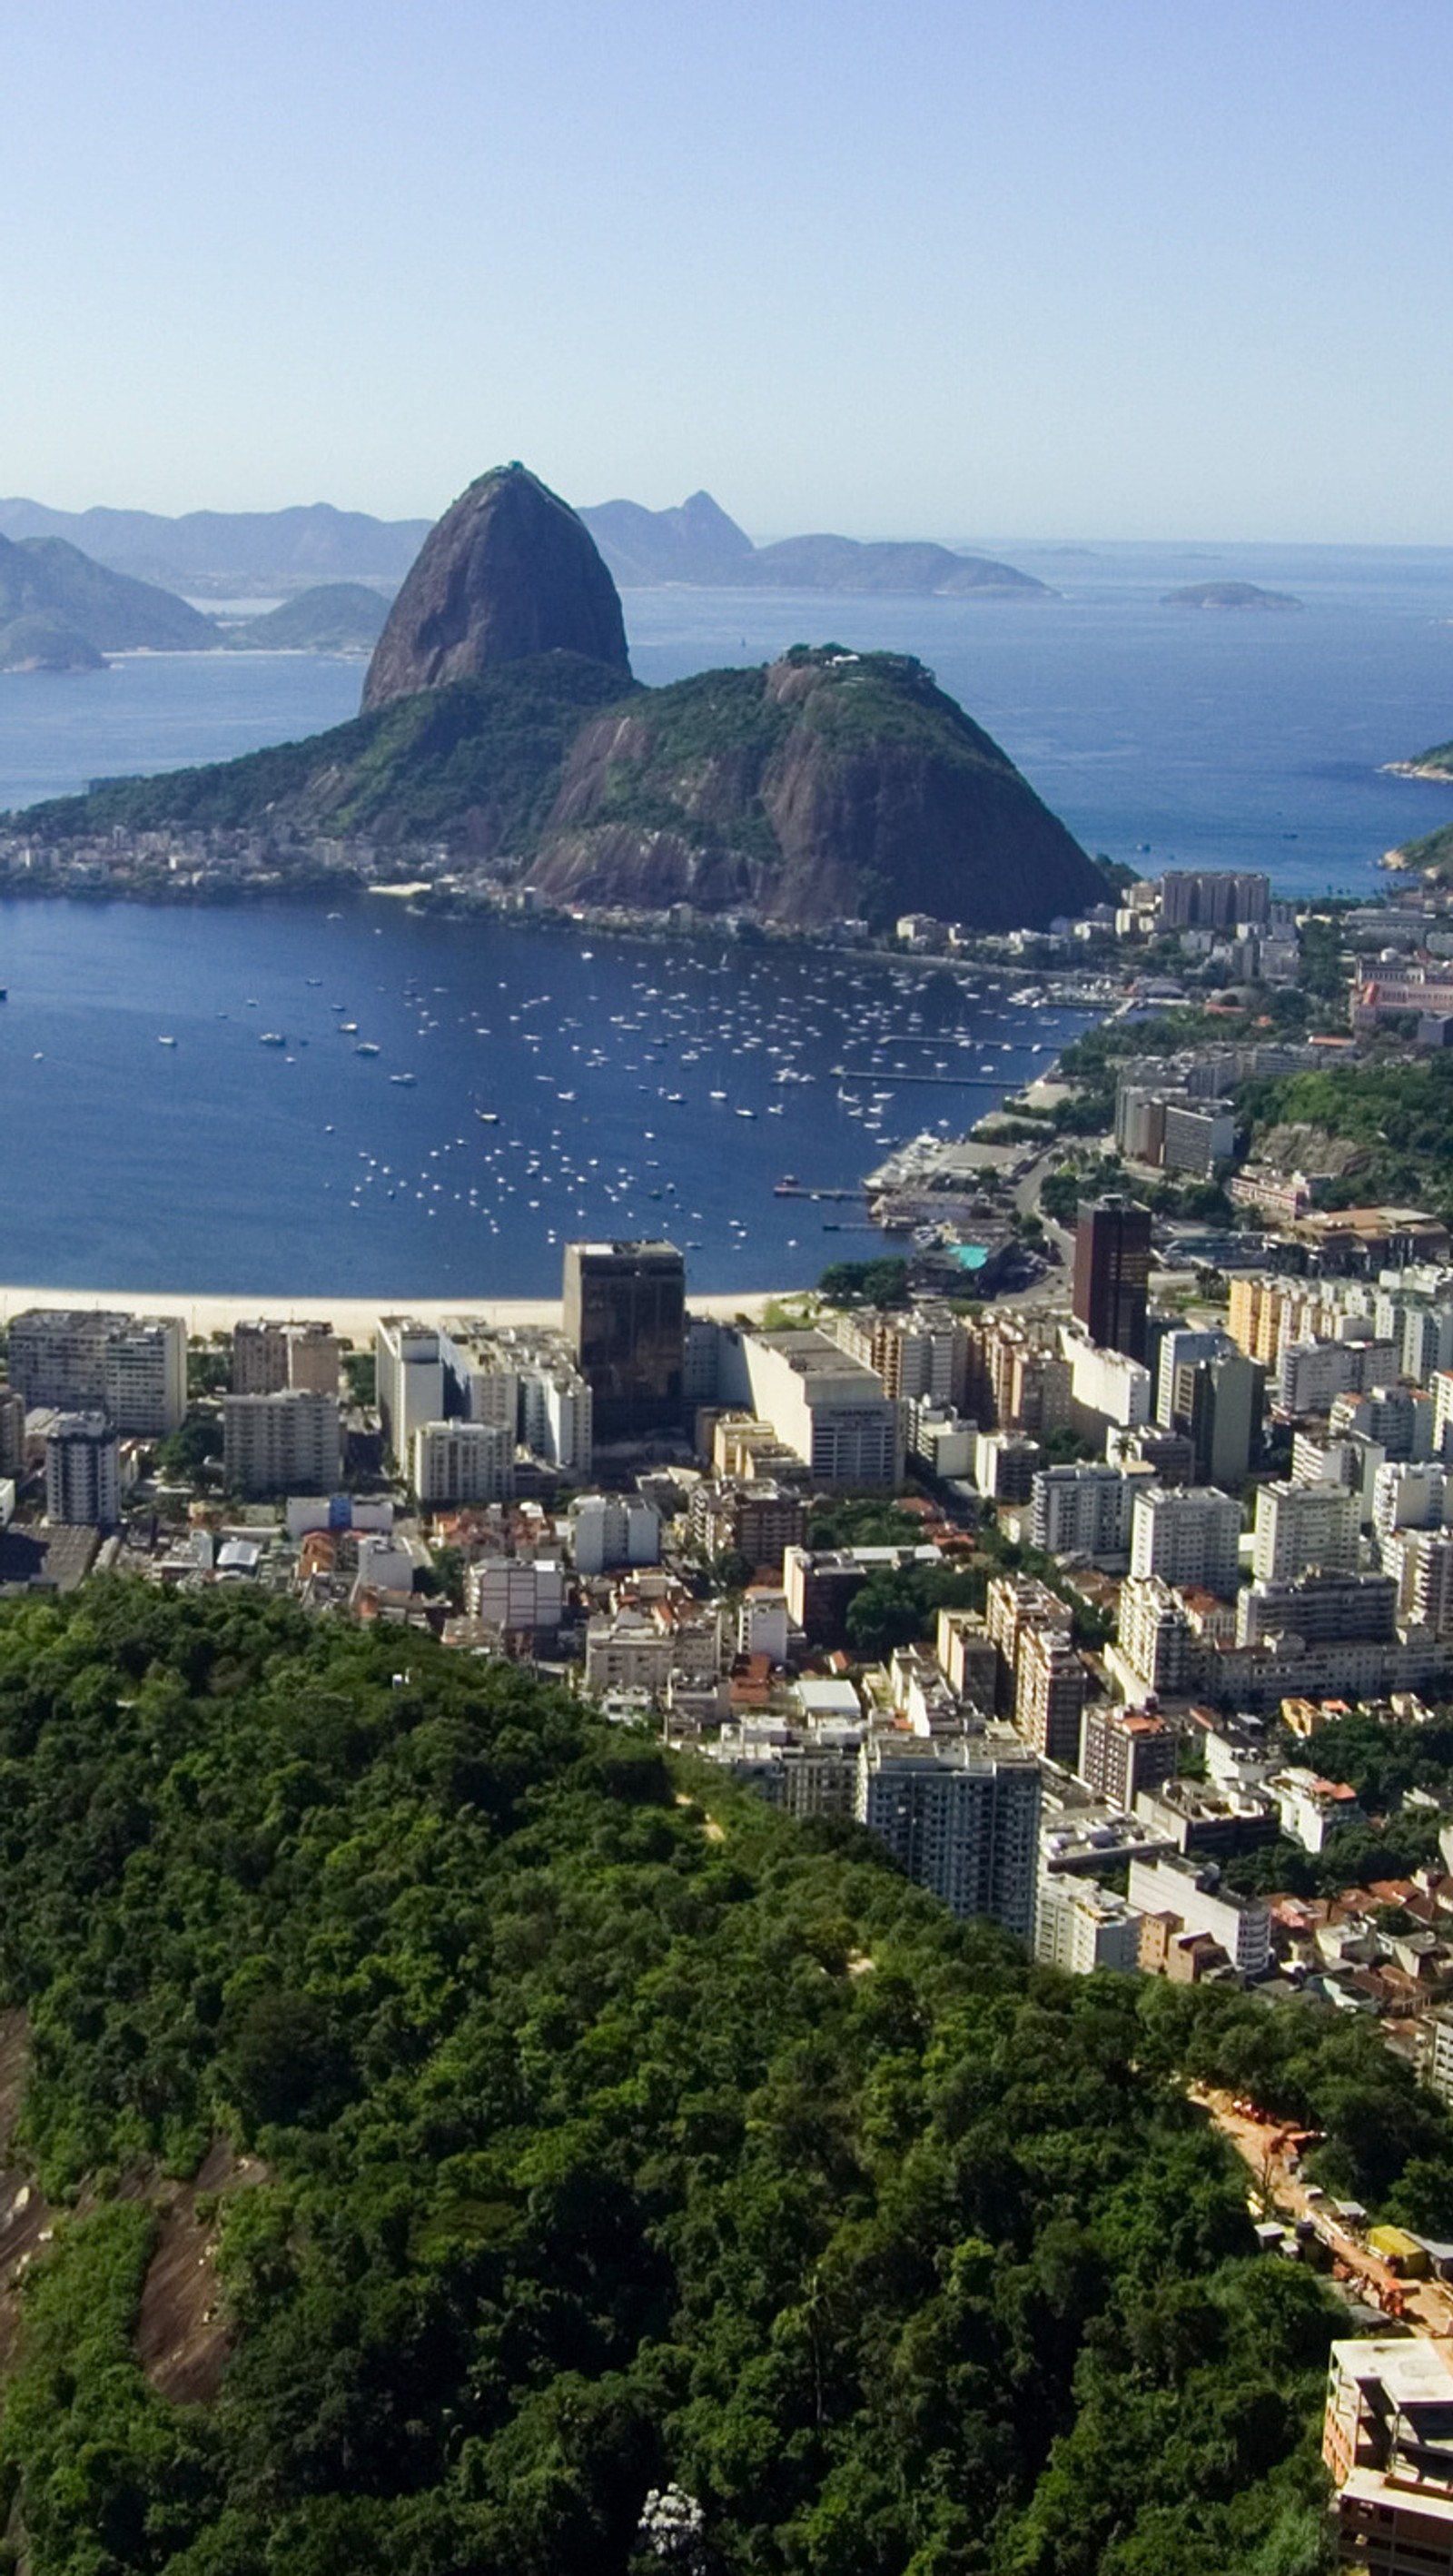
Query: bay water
[531,1085]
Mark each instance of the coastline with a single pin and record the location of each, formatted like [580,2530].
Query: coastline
[353,1318]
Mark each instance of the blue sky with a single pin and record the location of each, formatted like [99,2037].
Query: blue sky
[1061,268]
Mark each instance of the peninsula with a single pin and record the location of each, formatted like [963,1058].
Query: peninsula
[503,728]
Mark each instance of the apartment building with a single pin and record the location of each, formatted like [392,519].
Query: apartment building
[827,1407]
[1080,1927]
[1049,1693]
[289,1443]
[132,1368]
[410,1382]
[462,1462]
[1123,1751]
[1192,1895]
[1385,2439]
[1016,1603]
[1187,1535]
[268,1357]
[82,1471]
[960,1817]
[144,1376]
[1154,1637]
[1300,1526]
[1082,1511]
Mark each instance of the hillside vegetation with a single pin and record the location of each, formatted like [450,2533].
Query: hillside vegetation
[337,617]
[478,763]
[1397,1118]
[827,785]
[602,2139]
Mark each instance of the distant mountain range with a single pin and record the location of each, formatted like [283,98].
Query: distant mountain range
[217,553]
[210,552]
[699,545]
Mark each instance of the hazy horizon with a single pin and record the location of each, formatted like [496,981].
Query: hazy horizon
[1086,275]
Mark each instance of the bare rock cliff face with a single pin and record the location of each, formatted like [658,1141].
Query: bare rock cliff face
[830,786]
[509,571]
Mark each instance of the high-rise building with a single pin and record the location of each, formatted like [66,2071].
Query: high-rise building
[1122,1751]
[1112,1271]
[1187,1534]
[462,1462]
[266,1357]
[289,1443]
[409,1362]
[960,1817]
[1322,1609]
[613,1529]
[921,1353]
[827,1408]
[131,1367]
[1015,1604]
[82,1471]
[1299,1526]
[12,1432]
[1155,1638]
[625,1321]
[1217,1402]
[1049,1694]
[968,1656]
[1213,898]
[144,1368]
[1082,1511]
[1181,1347]
[1422,1561]
[58,1355]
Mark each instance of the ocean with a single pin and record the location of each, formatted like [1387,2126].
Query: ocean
[529,1085]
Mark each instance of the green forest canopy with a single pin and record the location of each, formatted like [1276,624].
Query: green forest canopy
[618,2132]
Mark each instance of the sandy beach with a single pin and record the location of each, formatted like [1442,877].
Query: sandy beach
[354,1318]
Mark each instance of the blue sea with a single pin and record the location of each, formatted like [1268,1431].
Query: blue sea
[529,1086]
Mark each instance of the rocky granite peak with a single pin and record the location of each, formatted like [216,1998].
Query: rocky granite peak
[508,572]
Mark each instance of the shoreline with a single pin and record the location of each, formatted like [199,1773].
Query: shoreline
[353,1318]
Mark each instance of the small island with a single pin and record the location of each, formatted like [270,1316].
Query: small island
[1228,594]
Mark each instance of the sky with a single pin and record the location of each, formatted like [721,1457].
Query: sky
[971,269]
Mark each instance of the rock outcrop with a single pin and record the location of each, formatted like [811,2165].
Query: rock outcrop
[509,572]
[828,786]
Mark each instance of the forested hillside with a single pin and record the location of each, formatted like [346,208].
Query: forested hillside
[601,2140]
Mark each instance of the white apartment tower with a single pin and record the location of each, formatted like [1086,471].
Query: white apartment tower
[961,1818]
[409,1361]
[1301,1526]
[290,1443]
[1187,1535]
[462,1462]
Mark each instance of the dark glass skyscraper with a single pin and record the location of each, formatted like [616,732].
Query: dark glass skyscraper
[1112,1270]
[625,1319]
